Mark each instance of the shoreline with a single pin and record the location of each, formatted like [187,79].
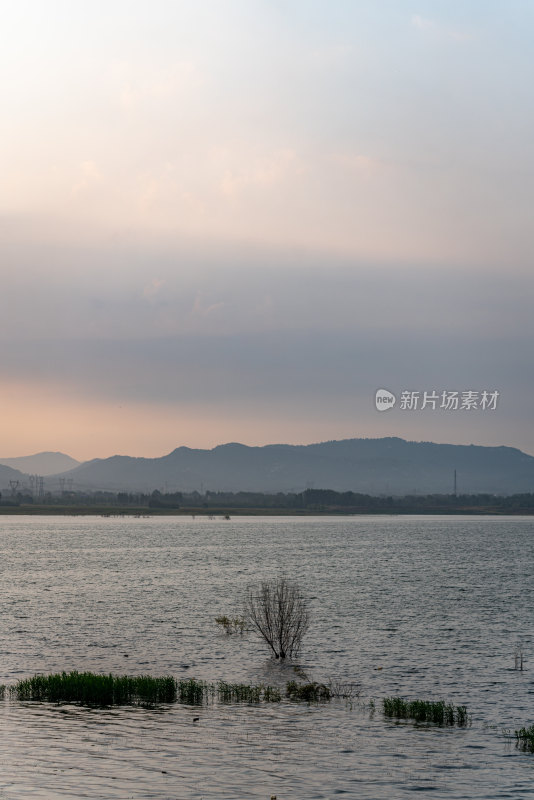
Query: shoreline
[224,512]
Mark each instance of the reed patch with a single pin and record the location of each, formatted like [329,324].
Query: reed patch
[89,688]
[436,711]
[525,739]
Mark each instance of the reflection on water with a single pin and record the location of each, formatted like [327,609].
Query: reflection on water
[424,607]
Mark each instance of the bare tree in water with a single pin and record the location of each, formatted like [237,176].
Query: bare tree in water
[279,613]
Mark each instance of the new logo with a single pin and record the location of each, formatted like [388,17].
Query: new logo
[384,400]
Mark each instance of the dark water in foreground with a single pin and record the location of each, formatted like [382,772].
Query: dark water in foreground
[423,607]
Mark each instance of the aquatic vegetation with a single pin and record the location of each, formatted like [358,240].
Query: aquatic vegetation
[192,692]
[238,693]
[309,692]
[519,658]
[313,692]
[92,689]
[231,624]
[271,695]
[439,712]
[347,691]
[300,672]
[196,692]
[89,688]
[525,739]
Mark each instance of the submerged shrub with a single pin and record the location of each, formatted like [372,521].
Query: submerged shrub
[438,712]
[348,691]
[278,612]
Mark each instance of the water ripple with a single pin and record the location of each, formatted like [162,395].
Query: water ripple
[423,607]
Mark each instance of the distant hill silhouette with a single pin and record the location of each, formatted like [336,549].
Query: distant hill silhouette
[8,474]
[41,463]
[372,466]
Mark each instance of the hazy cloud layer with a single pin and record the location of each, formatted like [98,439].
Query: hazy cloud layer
[239,219]
[305,341]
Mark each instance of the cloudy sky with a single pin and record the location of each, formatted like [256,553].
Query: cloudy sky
[235,220]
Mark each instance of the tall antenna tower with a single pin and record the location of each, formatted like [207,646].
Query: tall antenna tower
[14,486]
[455,483]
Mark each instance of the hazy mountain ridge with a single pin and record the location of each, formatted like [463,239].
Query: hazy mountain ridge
[45,463]
[374,466]
[8,474]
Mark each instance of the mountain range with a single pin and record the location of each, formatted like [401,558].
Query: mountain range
[41,463]
[373,466]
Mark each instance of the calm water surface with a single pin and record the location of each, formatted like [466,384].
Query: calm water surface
[429,607]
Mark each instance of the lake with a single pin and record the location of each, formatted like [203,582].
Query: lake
[423,607]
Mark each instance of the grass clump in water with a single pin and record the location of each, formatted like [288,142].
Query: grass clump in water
[271,695]
[309,692]
[193,692]
[89,688]
[238,693]
[439,712]
[525,739]
[231,624]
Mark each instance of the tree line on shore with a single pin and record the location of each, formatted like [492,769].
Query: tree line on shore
[308,501]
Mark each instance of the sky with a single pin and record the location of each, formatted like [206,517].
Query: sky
[236,220]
